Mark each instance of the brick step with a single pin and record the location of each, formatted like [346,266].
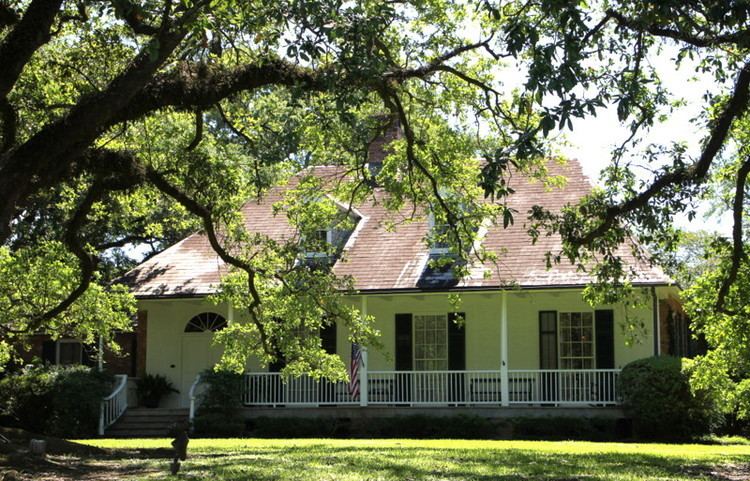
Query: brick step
[155,419]
[139,433]
[156,412]
[144,423]
[141,422]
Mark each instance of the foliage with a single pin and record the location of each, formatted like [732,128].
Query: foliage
[126,125]
[434,459]
[432,427]
[153,387]
[37,280]
[219,403]
[656,394]
[60,401]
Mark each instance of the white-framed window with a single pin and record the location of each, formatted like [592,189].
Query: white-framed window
[437,232]
[430,342]
[576,338]
[68,352]
[328,239]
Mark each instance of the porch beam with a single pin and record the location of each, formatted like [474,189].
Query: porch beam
[504,391]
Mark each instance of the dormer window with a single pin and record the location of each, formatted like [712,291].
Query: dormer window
[325,245]
[438,236]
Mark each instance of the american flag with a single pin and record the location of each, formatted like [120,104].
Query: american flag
[354,371]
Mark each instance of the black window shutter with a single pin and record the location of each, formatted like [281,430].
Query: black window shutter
[49,352]
[456,342]
[548,339]
[328,338]
[403,342]
[605,339]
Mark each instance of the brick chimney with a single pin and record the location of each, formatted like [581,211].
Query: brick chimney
[378,148]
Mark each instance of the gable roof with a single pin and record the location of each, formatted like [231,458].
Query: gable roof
[397,259]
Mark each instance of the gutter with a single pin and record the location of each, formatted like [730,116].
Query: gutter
[416,290]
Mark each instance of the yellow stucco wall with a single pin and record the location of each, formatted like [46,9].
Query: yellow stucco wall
[166,345]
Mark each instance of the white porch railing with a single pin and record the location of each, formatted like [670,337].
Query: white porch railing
[193,396]
[564,386]
[270,389]
[114,405]
[589,387]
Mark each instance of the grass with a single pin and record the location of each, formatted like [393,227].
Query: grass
[355,460]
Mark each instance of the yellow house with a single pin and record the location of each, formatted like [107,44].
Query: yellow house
[527,336]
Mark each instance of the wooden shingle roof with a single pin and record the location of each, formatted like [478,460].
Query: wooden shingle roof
[379,258]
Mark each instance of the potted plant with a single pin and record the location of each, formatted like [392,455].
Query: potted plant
[153,387]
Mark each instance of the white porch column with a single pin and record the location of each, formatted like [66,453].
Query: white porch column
[363,391]
[230,313]
[504,392]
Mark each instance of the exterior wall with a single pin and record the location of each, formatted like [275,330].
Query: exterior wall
[122,363]
[168,354]
[482,317]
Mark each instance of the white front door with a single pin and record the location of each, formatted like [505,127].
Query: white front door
[198,355]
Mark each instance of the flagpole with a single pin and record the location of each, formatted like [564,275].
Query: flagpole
[363,363]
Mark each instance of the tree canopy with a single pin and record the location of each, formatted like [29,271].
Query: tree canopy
[130,123]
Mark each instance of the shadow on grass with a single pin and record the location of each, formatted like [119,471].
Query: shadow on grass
[424,463]
[359,463]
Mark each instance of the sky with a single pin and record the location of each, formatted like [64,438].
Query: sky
[593,138]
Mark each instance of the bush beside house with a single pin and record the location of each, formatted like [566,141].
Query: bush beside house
[58,401]
[219,404]
[656,395]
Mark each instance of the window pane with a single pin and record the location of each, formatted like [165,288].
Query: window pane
[577,340]
[70,353]
[430,342]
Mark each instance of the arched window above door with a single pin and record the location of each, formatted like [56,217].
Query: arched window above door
[206,322]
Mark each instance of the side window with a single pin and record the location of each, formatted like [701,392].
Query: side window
[576,340]
[69,353]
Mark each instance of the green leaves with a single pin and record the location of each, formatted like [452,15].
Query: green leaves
[35,279]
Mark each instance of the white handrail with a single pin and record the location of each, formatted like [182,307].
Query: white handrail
[192,396]
[565,387]
[114,405]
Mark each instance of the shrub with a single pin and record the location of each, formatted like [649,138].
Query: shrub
[566,427]
[426,426]
[151,388]
[656,394]
[59,401]
[219,404]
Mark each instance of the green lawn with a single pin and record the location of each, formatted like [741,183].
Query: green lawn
[349,460]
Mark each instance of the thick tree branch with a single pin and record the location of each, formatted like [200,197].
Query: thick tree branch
[693,173]
[195,208]
[198,131]
[431,67]
[9,125]
[134,16]
[63,141]
[200,86]
[87,262]
[122,242]
[30,33]
[738,246]
[8,16]
[740,38]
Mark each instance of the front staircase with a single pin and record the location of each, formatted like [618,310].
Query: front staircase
[146,423]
